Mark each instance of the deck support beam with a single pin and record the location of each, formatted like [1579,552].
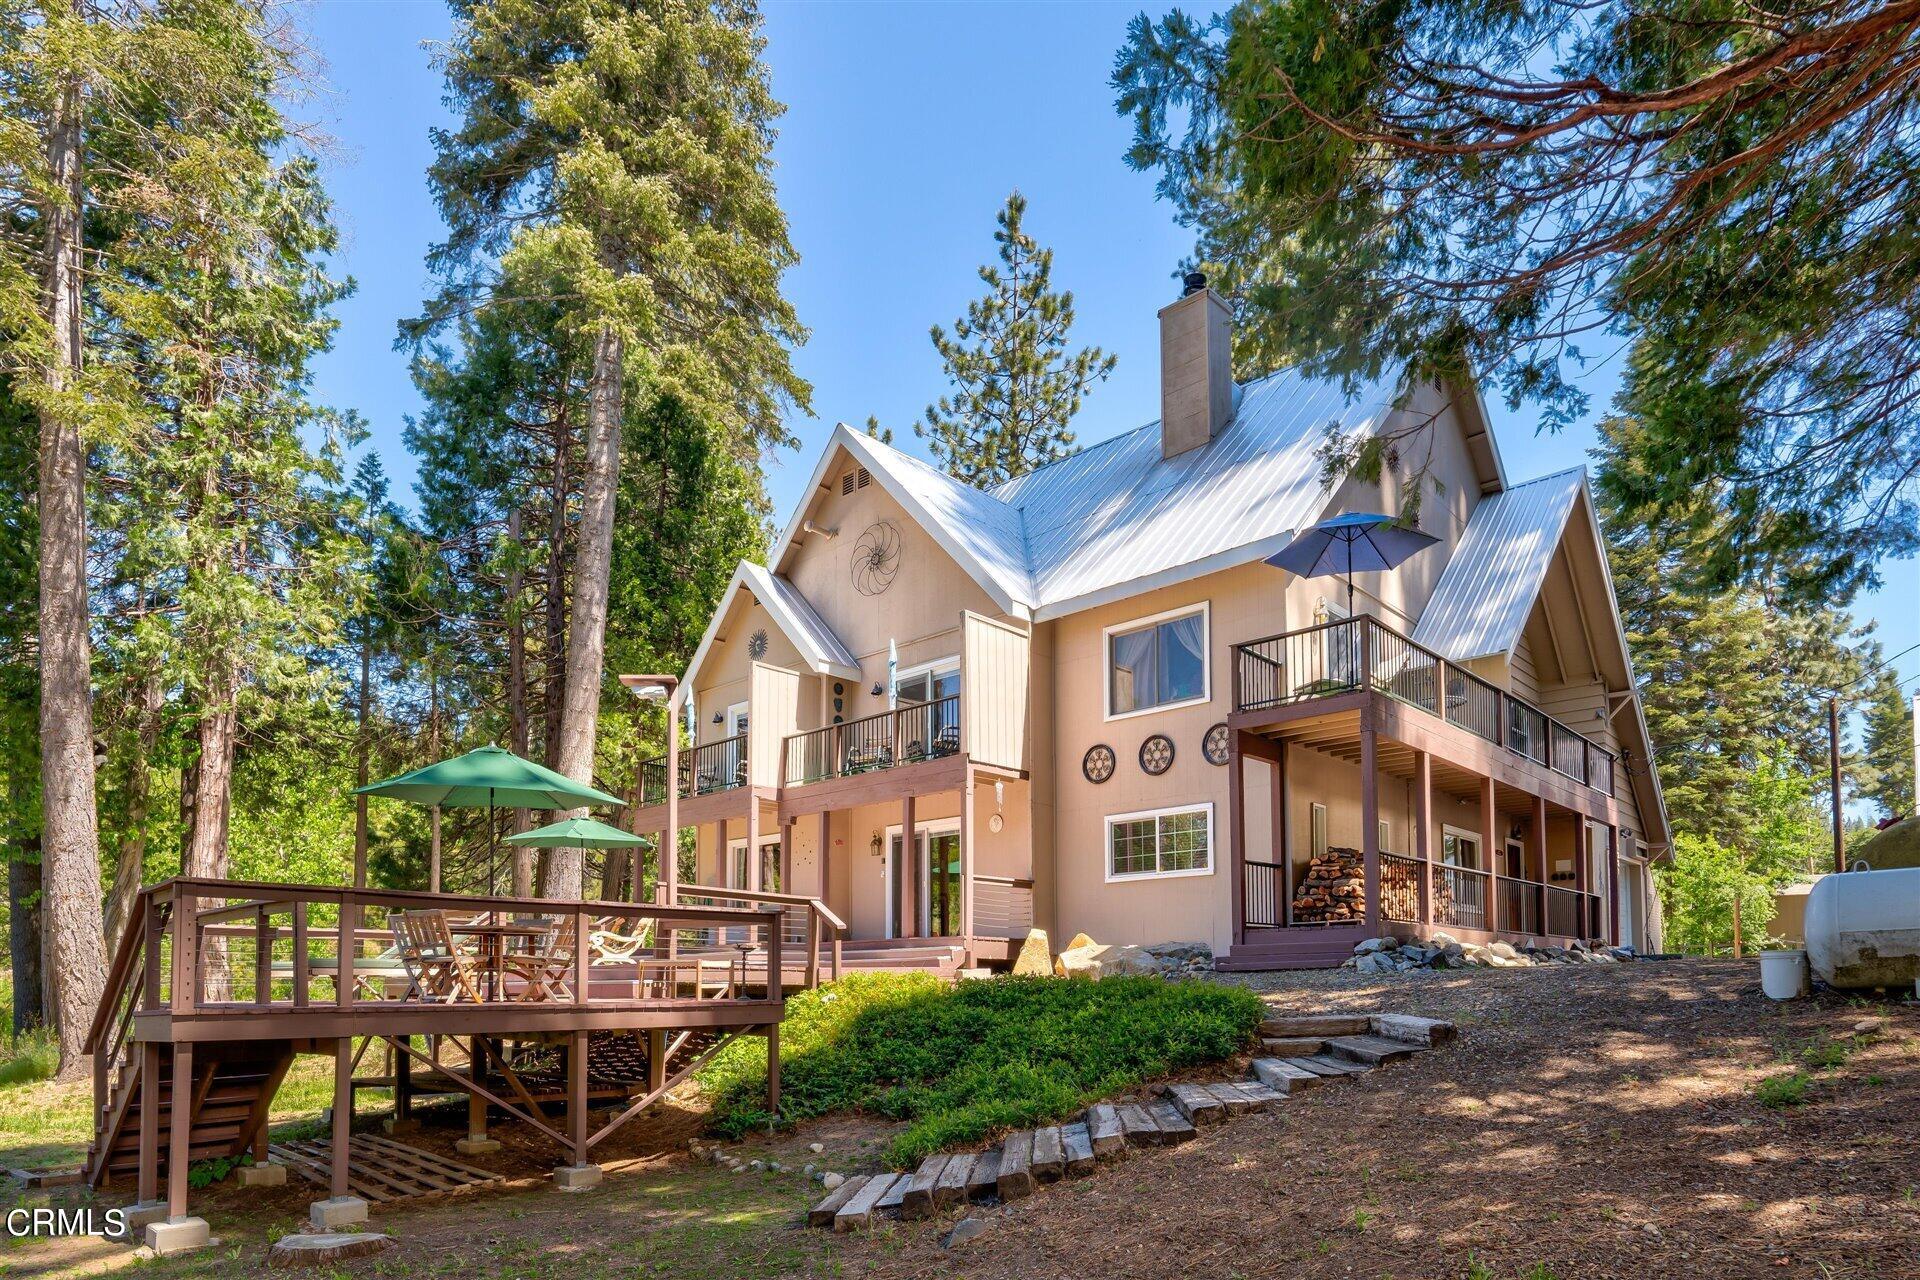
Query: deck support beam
[179,1131]
[1237,837]
[342,1113]
[966,884]
[1370,821]
[577,1095]
[908,915]
[149,1175]
[1613,886]
[1538,838]
[1423,830]
[1282,833]
[1493,846]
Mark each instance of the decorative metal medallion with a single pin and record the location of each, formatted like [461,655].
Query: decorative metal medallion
[1098,764]
[876,558]
[757,645]
[1218,744]
[1156,754]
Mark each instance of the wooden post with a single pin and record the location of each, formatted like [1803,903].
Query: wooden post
[1582,856]
[180,1130]
[723,832]
[906,889]
[349,928]
[148,1174]
[754,884]
[773,1070]
[966,866]
[1539,842]
[1370,819]
[262,960]
[1237,834]
[668,885]
[1492,846]
[1282,835]
[656,1059]
[582,957]
[402,1087]
[577,1095]
[300,958]
[1613,885]
[186,952]
[342,1115]
[1423,829]
[476,1105]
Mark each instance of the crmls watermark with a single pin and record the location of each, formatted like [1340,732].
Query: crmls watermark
[44,1223]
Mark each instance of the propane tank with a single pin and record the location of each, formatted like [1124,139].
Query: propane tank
[1863,928]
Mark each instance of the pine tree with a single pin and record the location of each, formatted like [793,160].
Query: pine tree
[1884,771]
[622,152]
[1016,385]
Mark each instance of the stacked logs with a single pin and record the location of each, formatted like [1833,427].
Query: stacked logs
[1334,888]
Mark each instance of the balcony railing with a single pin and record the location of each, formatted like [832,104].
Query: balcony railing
[905,735]
[710,767]
[1354,653]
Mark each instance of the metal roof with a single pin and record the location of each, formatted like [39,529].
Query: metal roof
[822,650]
[1481,603]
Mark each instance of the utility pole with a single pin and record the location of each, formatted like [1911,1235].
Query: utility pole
[1833,769]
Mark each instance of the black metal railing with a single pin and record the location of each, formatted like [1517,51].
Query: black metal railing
[1460,897]
[906,735]
[1266,895]
[1519,906]
[712,766]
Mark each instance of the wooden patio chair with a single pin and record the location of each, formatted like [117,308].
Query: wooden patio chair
[437,969]
[547,968]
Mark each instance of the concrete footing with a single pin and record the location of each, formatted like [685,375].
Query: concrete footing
[476,1145]
[264,1175]
[576,1177]
[142,1214]
[340,1211]
[397,1128]
[176,1235]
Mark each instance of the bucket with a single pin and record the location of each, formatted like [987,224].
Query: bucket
[1783,974]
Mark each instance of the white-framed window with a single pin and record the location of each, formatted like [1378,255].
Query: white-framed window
[1317,829]
[736,720]
[929,680]
[1386,836]
[1157,663]
[1459,848]
[1160,842]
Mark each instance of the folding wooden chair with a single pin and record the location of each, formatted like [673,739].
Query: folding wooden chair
[436,968]
[546,969]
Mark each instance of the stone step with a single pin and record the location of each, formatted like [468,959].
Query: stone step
[983,1179]
[1373,1050]
[1174,1127]
[1287,1046]
[1404,1026]
[1317,1024]
[1233,1098]
[1196,1104]
[1076,1143]
[1049,1159]
[1328,1065]
[857,1214]
[1136,1122]
[1014,1178]
[822,1214]
[1284,1077]
[917,1202]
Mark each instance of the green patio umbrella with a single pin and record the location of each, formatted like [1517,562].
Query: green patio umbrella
[494,777]
[578,833]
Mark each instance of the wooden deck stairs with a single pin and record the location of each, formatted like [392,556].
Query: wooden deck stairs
[233,1087]
[1318,1049]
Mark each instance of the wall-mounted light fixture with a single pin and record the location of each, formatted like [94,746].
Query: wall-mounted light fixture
[719,716]
[877,689]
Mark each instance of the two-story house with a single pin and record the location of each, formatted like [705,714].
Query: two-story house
[1082,701]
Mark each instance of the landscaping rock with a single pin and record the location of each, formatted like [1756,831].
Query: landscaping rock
[1371,945]
[963,1231]
[319,1248]
[1036,957]
[1079,962]
[1078,941]
[832,1180]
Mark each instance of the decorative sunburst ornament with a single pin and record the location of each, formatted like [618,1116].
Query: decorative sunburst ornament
[757,645]
[1156,754]
[876,558]
[1097,764]
[1218,745]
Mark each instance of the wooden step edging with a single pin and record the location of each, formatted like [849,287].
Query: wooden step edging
[1331,1047]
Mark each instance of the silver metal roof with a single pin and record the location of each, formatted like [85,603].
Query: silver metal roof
[1481,603]
[808,630]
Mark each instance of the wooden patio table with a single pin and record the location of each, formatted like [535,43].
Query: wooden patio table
[493,937]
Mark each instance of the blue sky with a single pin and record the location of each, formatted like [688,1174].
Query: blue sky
[907,125]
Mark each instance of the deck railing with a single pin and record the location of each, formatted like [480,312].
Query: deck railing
[720,765]
[805,922]
[1520,906]
[1265,906]
[1349,654]
[1002,906]
[905,735]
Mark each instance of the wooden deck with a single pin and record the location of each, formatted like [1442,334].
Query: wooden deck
[217,985]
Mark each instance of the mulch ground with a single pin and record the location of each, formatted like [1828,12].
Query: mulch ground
[1590,1122]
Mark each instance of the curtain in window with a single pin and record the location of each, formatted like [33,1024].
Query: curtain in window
[1136,677]
[1185,658]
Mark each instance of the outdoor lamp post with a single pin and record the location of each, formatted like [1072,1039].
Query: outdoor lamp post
[656,688]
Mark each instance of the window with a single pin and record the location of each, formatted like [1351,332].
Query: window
[1157,662]
[1166,842]
[1317,829]
[924,684]
[1386,836]
[1459,849]
[736,719]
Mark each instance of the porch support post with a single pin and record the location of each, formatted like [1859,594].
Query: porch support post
[149,1172]
[1422,830]
[1539,841]
[1493,847]
[656,1059]
[825,846]
[908,919]
[342,1115]
[667,882]
[753,840]
[1282,834]
[577,1095]
[179,1130]
[966,866]
[786,855]
[1613,885]
[1237,837]
[1370,818]
[1582,873]
[723,841]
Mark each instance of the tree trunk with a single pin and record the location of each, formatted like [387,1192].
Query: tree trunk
[128,871]
[70,835]
[587,629]
[206,851]
[517,728]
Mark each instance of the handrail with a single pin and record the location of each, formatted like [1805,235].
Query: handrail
[761,895]
[121,972]
[873,742]
[1012,882]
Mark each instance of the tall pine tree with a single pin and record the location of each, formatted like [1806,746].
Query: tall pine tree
[1883,773]
[1016,384]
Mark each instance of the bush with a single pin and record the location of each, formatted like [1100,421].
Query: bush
[966,1062]
[1789,1090]
[25,1059]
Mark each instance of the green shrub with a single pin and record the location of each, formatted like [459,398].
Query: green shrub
[967,1061]
[1789,1090]
[25,1059]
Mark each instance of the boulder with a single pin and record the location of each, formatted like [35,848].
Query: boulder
[1375,962]
[1129,961]
[1371,945]
[1079,962]
[1504,950]
[1079,940]
[1036,957]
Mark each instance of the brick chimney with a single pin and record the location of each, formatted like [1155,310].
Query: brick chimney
[1196,368]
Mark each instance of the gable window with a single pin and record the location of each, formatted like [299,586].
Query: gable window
[1158,662]
[1161,842]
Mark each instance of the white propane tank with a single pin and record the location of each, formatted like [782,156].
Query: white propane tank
[1863,928]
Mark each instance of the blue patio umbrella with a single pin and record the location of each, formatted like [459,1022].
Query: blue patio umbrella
[1363,541]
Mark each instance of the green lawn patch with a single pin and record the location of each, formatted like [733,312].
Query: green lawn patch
[964,1062]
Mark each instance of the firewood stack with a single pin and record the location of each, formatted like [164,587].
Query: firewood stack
[1335,888]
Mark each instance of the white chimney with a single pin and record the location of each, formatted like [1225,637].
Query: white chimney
[1196,368]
